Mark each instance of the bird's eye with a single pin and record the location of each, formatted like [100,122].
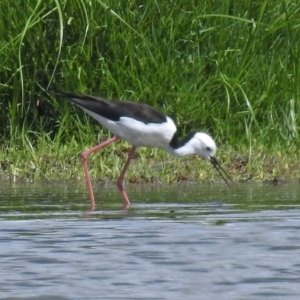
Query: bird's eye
[208,148]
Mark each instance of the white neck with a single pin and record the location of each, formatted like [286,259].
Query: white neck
[184,150]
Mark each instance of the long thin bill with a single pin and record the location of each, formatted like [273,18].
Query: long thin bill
[220,170]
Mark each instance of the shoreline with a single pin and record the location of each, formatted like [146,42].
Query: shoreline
[150,166]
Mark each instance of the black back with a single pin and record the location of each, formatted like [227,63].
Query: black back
[176,143]
[114,110]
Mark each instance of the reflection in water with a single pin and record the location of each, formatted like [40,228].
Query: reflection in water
[63,199]
[177,242]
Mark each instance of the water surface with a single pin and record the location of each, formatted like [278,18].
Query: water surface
[185,241]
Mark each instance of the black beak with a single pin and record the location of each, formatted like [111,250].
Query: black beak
[220,170]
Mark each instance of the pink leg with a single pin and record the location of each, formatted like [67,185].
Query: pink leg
[84,156]
[120,181]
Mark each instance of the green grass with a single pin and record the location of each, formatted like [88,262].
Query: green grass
[225,67]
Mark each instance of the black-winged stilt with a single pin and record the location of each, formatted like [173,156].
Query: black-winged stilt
[141,126]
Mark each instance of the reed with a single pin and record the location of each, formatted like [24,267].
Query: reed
[228,68]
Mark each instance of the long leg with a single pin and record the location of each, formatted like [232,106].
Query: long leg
[120,181]
[84,156]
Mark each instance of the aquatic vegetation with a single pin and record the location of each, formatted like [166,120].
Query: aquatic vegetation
[231,69]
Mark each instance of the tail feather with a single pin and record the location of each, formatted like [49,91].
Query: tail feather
[72,96]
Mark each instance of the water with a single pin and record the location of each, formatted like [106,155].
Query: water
[176,242]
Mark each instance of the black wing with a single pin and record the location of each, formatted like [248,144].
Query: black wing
[114,110]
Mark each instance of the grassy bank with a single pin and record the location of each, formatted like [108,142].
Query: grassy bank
[227,68]
[49,160]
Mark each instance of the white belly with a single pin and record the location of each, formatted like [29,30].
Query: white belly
[139,134]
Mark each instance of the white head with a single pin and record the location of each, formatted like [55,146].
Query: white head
[204,145]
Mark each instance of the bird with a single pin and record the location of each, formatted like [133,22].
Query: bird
[141,125]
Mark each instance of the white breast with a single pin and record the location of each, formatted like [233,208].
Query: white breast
[148,135]
[138,133]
